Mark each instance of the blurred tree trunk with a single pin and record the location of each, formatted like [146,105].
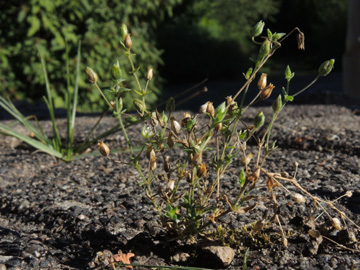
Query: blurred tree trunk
[351,60]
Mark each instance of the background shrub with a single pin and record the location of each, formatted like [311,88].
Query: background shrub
[47,24]
[183,40]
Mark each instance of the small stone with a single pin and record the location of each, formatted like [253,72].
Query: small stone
[220,256]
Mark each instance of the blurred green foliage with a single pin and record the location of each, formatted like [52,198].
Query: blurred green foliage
[211,38]
[182,40]
[49,24]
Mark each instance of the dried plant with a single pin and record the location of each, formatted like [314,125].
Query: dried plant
[187,157]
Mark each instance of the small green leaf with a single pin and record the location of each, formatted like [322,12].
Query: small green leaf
[288,98]
[242,178]
[269,33]
[34,25]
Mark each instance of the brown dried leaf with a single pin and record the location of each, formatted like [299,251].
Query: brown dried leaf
[124,258]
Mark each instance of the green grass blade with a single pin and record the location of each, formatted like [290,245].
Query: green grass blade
[11,109]
[49,102]
[76,89]
[38,145]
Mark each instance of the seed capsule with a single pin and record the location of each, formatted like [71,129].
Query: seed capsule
[185,119]
[202,170]
[170,140]
[103,148]
[336,224]
[218,127]
[255,175]
[171,185]
[175,126]
[262,81]
[149,74]
[299,198]
[300,38]
[91,75]
[266,92]
[128,41]
[246,160]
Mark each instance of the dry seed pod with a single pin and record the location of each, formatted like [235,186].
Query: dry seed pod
[246,160]
[167,165]
[336,224]
[91,75]
[218,127]
[171,185]
[149,74]
[153,164]
[113,105]
[103,148]
[175,126]
[149,150]
[348,194]
[202,171]
[266,92]
[284,240]
[262,81]
[203,108]
[128,41]
[255,175]
[170,140]
[300,38]
[185,119]
[229,101]
[210,109]
[299,198]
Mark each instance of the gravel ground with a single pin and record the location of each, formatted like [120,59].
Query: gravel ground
[56,215]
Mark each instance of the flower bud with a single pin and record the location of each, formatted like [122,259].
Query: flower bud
[258,28]
[266,92]
[262,81]
[259,119]
[300,38]
[264,49]
[91,75]
[116,71]
[170,104]
[288,74]
[326,67]
[299,198]
[276,106]
[103,148]
[336,224]
[128,41]
[124,31]
[149,74]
